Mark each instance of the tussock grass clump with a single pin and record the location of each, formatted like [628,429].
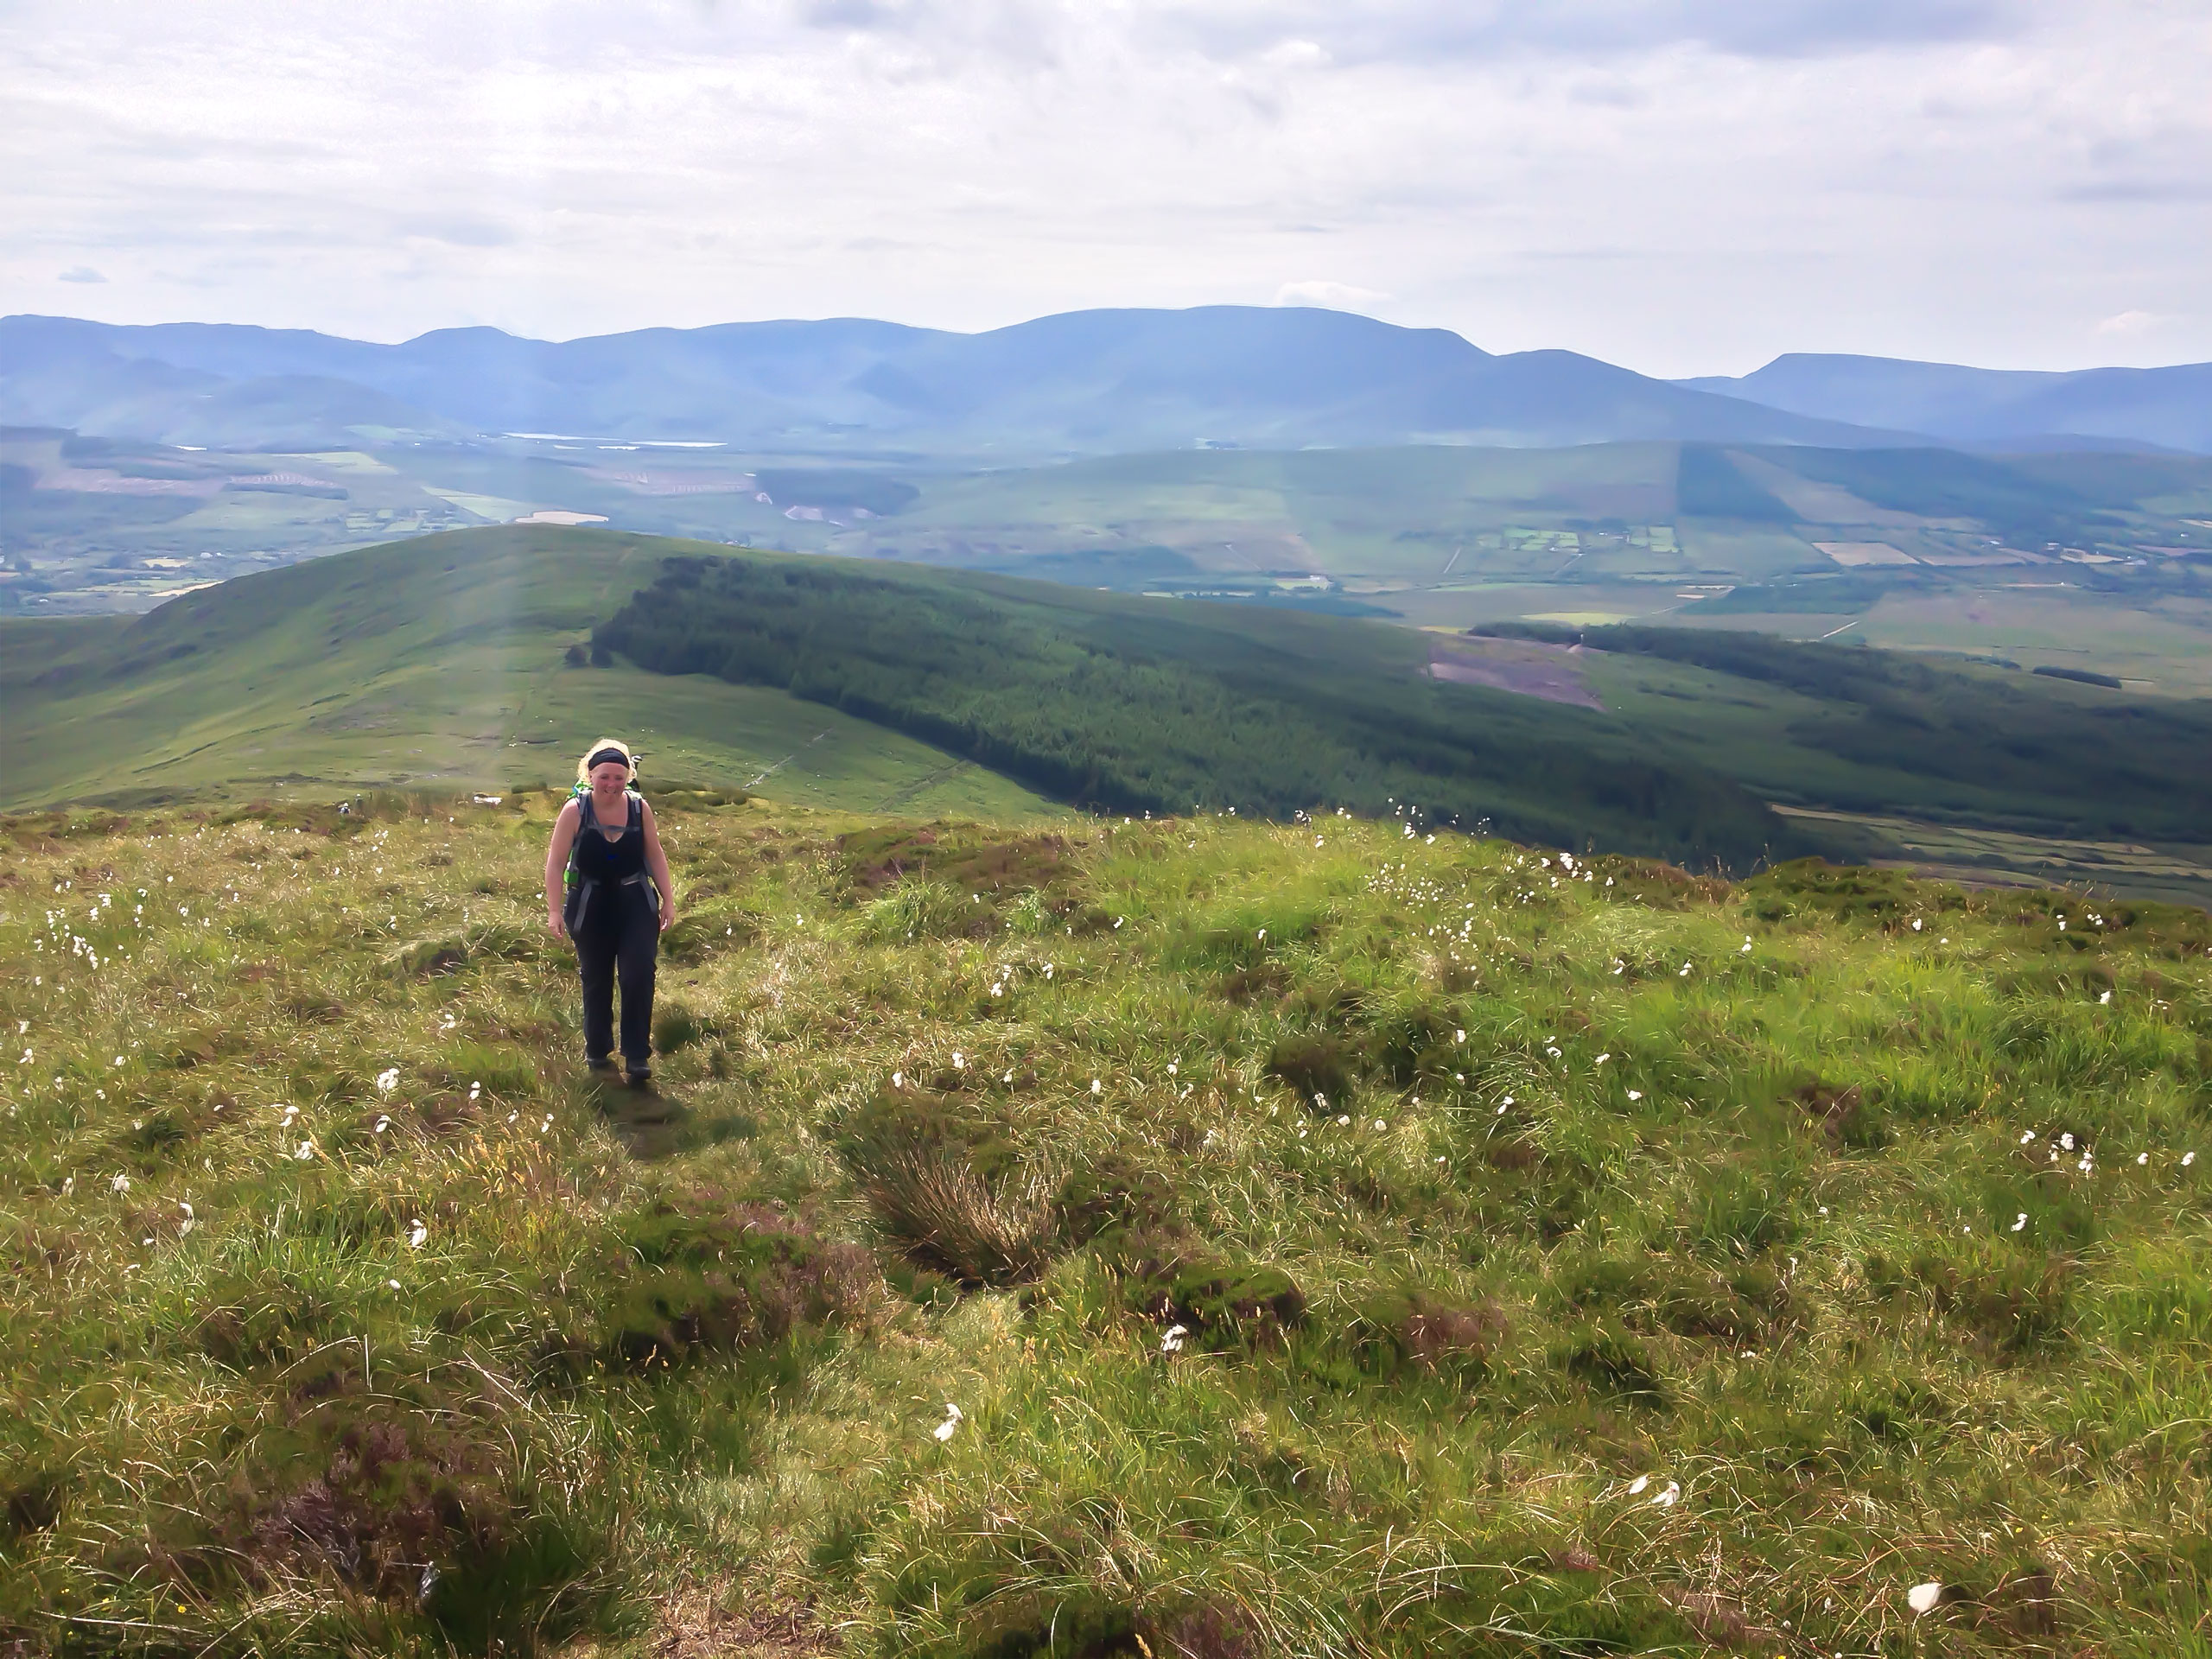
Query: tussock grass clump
[947,1215]
[914,910]
[1177,1237]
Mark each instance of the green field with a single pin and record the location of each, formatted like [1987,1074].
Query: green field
[439,663]
[1129,705]
[2101,562]
[451,661]
[1191,1237]
[1629,742]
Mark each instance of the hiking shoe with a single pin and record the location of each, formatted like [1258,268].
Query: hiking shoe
[638,1076]
[602,1067]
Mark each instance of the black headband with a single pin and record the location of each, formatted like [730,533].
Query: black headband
[606,755]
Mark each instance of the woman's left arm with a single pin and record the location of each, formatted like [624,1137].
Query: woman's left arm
[656,866]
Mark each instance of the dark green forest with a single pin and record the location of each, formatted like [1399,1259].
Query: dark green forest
[2073,759]
[1128,705]
[1134,705]
[1948,484]
[1707,485]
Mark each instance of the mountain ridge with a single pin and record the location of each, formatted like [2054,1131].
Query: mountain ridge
[1086,382]
[2168,408]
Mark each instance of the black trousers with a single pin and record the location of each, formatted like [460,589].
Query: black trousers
[619,935]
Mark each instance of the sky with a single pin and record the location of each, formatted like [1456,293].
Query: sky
[1684,186]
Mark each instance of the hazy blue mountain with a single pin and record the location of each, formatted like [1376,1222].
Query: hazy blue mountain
[200,384]
[1087,382]
[2170,408]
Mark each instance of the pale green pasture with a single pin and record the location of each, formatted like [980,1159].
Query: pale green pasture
[433,662]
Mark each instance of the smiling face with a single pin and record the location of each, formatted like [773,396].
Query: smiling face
[609,778]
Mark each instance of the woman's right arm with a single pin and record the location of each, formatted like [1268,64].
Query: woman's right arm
[556,865]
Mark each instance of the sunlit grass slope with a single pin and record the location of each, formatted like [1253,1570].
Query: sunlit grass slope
[438,660]
[1185,1237]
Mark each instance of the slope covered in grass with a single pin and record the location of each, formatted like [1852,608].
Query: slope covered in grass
[1852,726]
[465,661]
[445,659]
[1186,1238]
[1132,704]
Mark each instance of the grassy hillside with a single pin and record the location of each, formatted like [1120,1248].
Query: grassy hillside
[1137,705]
[464,660]
[1903,785]
[440,659]
[2102,562]
[1880,730]
[1190,1238]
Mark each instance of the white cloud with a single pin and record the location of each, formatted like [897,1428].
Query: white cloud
[1425,30]
[2126,323]
[1687,186]
[1296,54]
[80,274]
[1332,297]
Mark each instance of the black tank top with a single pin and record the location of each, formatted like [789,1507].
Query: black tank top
[599,859]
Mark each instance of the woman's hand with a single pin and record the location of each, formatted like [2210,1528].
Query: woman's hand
[667,915]
[559,929]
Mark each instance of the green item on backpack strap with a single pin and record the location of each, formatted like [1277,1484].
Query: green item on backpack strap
[577,790]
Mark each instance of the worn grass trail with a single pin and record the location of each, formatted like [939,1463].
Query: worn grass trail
[1189,1236]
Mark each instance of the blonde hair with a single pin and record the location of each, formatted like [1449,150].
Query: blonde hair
[583,767]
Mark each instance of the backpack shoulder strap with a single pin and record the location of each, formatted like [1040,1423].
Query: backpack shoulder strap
[585,817]
[637,810]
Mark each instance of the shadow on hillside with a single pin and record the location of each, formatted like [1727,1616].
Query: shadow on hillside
[651,1125]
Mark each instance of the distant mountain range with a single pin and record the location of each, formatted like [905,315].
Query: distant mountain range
[1083,383]
[2169,408]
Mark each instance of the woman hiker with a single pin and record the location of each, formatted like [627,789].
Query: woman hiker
[619,901]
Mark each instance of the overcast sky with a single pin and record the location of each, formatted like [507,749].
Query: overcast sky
[1682,186]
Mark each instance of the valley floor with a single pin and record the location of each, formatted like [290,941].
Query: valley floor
[1174,1238]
